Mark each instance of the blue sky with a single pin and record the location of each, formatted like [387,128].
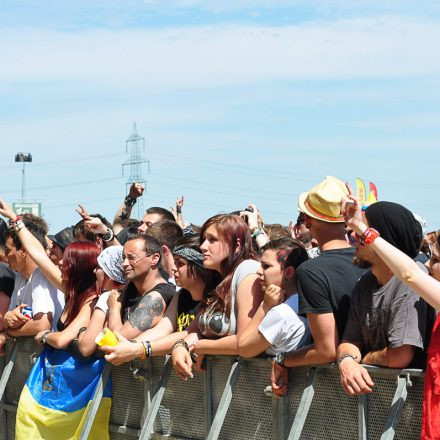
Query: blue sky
[239,101]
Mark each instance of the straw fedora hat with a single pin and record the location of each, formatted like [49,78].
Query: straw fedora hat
[323,201]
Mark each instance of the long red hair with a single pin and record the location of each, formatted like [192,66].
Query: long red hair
[80,260]
[232,231]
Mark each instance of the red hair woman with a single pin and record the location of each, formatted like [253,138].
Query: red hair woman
[61,383]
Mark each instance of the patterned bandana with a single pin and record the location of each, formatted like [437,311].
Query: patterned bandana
[110,261]
[189,254]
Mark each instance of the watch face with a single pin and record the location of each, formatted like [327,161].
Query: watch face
[279,359]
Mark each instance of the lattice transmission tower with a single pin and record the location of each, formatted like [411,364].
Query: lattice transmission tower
[135,145]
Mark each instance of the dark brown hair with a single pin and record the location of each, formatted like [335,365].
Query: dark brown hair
[232,230]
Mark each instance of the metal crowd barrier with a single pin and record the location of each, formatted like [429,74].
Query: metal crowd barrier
[230,401]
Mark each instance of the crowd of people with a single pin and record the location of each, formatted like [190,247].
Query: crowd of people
[346,283]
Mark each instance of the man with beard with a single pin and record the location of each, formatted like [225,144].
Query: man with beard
[388,321]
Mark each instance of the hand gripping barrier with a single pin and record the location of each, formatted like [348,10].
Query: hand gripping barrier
[228,401]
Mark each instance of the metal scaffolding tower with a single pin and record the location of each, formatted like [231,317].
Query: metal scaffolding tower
[135,145]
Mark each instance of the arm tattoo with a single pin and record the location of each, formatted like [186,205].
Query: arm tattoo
[123,216]
[148,308]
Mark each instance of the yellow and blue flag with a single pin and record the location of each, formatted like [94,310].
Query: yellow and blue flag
[57,394]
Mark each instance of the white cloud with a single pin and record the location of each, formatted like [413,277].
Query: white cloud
[216,56]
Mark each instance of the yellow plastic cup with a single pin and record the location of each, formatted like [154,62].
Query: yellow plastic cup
[106,338]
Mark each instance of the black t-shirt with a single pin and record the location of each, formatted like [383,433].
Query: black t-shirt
[187,309]
[325,284]
[7,278]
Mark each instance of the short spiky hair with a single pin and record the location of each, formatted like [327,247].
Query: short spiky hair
[166,232]
[151,245]
[282,247]
[164,213]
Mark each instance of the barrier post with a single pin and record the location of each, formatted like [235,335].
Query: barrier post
[208,395]
[363,416]
[396,406]
[153,408]
[304,405]
[96,400]
[225,401]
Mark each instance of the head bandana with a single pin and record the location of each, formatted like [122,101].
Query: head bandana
[396,225]
[189,254]
[110,261]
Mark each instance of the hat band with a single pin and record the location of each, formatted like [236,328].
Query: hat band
[320,214]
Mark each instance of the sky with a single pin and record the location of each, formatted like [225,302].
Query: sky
[238,101]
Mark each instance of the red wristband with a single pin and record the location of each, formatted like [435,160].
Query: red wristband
[369,236]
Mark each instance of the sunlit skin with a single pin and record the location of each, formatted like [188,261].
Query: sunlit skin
[147,221]
[105,282]
[134,262]
[181,273]
[214,250]
[270,271]
[433,264]
[15,257]
[56,253]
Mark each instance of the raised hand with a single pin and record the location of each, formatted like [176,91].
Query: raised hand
[95,225]
[351,209]
[179,204]
[6,210]
[136,190]
[251,217]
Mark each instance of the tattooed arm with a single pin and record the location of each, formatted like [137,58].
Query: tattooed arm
[147,314]
[123,213]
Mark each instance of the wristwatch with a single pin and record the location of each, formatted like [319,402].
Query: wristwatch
[108,236]
[45,336]
[345,356]
[279,358]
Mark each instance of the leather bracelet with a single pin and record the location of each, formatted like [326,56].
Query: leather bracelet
[180,343]
[129,201]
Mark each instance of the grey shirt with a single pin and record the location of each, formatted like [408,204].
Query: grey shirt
[391,315]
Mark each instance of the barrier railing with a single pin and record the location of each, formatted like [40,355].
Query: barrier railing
[229,401]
